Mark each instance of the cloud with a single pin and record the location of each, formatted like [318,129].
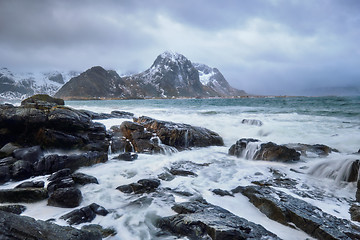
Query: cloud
[267,47]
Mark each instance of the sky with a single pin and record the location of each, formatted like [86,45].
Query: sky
[272,47]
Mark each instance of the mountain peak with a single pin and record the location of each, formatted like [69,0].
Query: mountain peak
[169,57]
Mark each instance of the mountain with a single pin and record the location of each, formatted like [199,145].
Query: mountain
[171,75]
[18,86]
[215,83]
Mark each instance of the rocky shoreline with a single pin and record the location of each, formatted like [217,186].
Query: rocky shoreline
[44,137]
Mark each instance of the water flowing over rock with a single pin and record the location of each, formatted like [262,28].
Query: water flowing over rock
[346,170]
[201,220]
[254,149]
[13,226]
[288,210]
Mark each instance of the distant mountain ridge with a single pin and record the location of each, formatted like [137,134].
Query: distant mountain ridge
[171,75]
[18,86]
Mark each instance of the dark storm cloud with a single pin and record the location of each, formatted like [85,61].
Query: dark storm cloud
[262,46]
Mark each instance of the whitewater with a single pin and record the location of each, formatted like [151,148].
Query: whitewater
[333,121]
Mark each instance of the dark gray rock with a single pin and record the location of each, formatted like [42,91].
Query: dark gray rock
[14,227]
[252,122]
[105,232]
[42,100]
[78,216]
[26,195]
[355,212]
[31,154]
[222,193]
[21,170]
[66,182]
[185,168]
[15,209]
[5,174]
[264,151]
[122,114]
[288,210]
[31,184]
[316,150]
[8,149]
[166,176]
[99,209]
[63,173]
[201,220]
[127,156]
[83,179]
[65,197]
[142,186]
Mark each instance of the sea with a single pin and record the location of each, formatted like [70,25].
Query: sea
[333,121]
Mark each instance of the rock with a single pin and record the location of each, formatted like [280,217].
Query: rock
[288,210]
[51,127]
[42,99]
[142,186]
[26,195]
[99,209]
[21,170]
[316,150]
[15,209]
[63,173]
[355,212]
[66,182]
[5,174]
[31,154]
[222,193]
[253,149]
[13,226]
[252,122]
[83,179]
[201,220]
[7,161]
[105,232]
[78,216]
[166,176]
[120,145]
[8,149]
[31,184]
[127,156]
[65,197]
[185,168]
[180,136]
[122,114]
[54,162]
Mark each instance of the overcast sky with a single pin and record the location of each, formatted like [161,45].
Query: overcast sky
[261,46]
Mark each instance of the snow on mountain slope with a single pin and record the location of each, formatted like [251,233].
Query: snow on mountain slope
[18,86]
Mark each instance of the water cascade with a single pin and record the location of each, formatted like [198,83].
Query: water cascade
[251,149]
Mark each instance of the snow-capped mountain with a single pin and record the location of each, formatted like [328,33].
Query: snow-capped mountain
[215,82]
[18,86]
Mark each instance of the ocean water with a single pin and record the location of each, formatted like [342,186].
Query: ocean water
[333,121]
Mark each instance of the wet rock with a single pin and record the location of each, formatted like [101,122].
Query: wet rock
[185,168]
[31,154]
[13,226]
[8,149]
[83,179]
[55,162]
[5,174]
[7,161]
[180,136]
[122,114]
[201,220]
[222,193]
[142,202]
[99,209]
[127,156]
[78,216]
[15,209]
[26,195]
[66,182]
[63,173]
[316,150]
[31,184]
[65,197]
[252,122]
[253,149]
[355,212]
[105,232]
[166,176]
[21,170]
[288,210]
[142,186]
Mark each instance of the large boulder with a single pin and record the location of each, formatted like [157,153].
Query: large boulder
[290,211]
[26,195]
[254,149]
[51,126]
[13,226]
[41,100]
[84,214]
[65,197]
[202,220]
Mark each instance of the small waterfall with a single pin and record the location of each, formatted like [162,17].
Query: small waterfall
[132,146]
[251,149]
[186,139]
[167,150]
[340,171]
